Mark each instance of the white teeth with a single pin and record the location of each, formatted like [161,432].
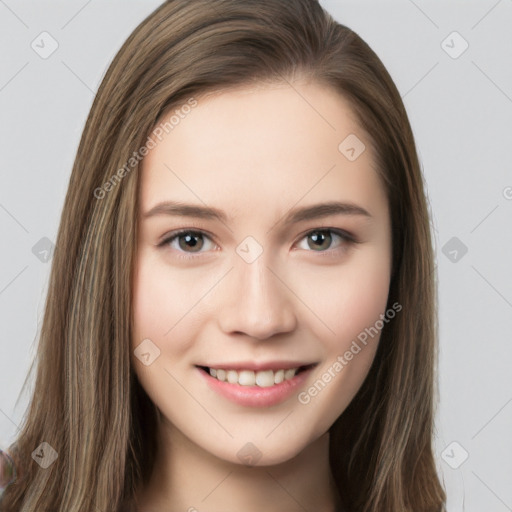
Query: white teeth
[246,378]
[264,378]
[232,376]
[279,376]
[288,374]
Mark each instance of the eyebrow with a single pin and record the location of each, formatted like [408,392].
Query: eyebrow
[294,216]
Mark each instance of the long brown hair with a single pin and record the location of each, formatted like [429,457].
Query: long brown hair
[87,403]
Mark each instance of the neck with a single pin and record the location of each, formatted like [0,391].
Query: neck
[187,478]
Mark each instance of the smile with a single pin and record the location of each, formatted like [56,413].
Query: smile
[263,378]
[249,388]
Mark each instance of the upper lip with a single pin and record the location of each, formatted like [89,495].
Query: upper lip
[251,365]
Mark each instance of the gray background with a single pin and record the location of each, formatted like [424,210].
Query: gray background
[460,108]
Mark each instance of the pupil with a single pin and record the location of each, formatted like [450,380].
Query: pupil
[318,236]
[189,239]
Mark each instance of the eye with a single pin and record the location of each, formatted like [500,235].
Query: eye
[187,239]
[322,239]
[186,242]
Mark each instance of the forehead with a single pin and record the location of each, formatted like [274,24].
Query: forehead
[260,147]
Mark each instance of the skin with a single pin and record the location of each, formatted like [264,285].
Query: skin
[256,152]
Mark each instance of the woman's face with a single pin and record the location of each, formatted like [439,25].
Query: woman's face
[263,278]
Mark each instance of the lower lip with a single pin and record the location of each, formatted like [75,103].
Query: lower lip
[256,396]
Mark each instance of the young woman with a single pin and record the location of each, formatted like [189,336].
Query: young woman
[242,308]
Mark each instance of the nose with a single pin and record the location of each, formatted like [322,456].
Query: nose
[259,303]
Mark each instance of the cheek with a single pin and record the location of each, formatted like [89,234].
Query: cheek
[347,300]
[166,308]
[351,306]
[150,304]
[160,299]
[159,315]
[364,299]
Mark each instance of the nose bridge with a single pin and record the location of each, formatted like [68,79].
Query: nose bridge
[259,303]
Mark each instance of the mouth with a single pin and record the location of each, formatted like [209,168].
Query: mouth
[261,378]
[256,387]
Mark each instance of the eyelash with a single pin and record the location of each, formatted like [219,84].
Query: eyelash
[346,237]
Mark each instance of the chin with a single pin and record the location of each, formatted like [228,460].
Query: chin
[260,452]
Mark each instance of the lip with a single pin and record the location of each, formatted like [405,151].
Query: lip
[256,396]
[256,367]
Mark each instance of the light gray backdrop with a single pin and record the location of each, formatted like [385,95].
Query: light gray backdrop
[451,61]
